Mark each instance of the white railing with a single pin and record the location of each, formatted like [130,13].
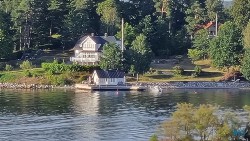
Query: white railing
[77,59]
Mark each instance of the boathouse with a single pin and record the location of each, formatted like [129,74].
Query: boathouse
[108,77]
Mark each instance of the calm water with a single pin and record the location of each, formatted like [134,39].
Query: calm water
[99,116]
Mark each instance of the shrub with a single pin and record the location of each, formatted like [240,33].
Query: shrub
[8,67]
[194,54]
[197,71]
[60,68]
[26,65]
[178,70]
[27,73]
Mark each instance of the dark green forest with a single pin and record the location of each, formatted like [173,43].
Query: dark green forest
[170,27]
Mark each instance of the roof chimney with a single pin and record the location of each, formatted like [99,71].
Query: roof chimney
[105,34]
[92,34]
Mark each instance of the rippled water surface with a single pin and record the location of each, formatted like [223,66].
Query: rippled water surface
[67,115]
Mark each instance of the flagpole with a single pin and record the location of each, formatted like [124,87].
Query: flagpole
[122,35]
[216,24]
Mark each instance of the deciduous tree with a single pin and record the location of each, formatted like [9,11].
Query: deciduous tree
[245,66]
[246,36]
[141,54]
[225,49]
[240,13]
[111,57]
[201,42]
[108,10]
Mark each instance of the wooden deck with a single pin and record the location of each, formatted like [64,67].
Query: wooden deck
[109,88]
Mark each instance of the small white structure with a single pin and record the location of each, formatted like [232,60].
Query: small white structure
[108,77]
[88,49]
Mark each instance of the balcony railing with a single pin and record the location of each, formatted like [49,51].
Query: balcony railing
[77,59]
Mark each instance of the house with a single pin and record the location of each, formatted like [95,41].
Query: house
[211,28]
[88,49]
[108,77]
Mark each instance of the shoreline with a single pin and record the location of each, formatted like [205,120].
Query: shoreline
[196,85]
[147,85]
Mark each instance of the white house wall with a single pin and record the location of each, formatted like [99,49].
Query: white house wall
[88,45]
[107,81]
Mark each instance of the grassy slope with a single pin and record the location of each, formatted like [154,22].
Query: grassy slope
[209,73]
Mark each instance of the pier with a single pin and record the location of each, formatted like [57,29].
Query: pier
[110,87]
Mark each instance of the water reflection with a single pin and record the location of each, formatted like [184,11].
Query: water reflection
[78,115]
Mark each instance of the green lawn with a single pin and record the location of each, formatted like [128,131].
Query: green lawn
[208,73]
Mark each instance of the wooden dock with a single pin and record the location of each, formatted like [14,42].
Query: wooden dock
[109,87]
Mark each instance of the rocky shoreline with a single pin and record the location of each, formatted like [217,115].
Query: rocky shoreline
[197,85]
[24,86]
[163,85]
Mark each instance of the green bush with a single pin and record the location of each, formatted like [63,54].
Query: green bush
[27,73]
[34,75]
[57,79]
[60,68]
[197,71]
[8,67]
[194,54]
[26,65]
[178,71]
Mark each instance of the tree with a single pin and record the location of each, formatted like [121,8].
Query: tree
[6,42]
[81,19]
[194,17]
[160,38]
[184,117]
[246,36]
[201,42]
[129,34]
[188,121]
[240,13]
[245,66]
[108,10]
[142,8]
[40,23]
[225,49]
[204,121]
[141,54]
[214,7]
[111,57]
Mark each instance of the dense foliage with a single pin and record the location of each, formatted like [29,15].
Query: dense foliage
[170,27]
[112,57]
[53,68]
[225,49]
[202,123]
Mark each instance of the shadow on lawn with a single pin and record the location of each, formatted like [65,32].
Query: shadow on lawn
[205,74]
[160,76]
[211,74]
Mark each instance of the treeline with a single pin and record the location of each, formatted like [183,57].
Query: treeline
[167,24]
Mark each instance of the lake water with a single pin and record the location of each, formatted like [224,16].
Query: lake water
[67,115]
